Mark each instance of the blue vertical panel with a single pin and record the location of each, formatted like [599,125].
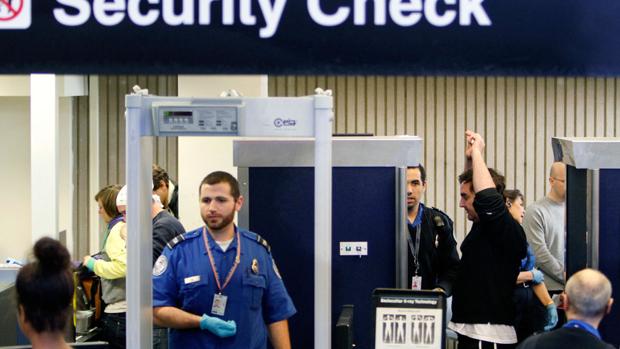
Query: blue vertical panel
[609,245]
[363,209]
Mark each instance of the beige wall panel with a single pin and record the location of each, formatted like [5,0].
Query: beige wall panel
[450,160]
[439,161]
[609,107]
[581,129]
[550,119]
[361,103]
[530,147]
[489,120]
[500,123]
[430,118]
[599,106]
[420,113]
[371,105]
[401,106]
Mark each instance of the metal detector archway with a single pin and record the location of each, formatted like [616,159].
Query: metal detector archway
[149,116]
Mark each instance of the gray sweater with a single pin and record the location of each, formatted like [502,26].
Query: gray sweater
[544,227]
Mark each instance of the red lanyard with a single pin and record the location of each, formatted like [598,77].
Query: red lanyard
[234,267]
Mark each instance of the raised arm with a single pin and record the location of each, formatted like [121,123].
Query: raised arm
[481,176]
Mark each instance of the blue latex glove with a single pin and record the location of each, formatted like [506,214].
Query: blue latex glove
[552,317]
[218,326]
[538,276]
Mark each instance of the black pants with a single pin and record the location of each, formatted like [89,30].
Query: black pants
[113,329]
[531,315]
[470,343]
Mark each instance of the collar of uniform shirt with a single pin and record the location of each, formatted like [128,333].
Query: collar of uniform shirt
[213,246]
[418,217]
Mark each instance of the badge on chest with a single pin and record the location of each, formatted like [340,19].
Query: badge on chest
[219,304]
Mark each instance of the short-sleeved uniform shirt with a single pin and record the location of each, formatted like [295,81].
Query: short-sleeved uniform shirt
[183,278]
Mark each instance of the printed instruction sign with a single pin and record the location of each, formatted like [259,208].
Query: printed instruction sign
[409,319]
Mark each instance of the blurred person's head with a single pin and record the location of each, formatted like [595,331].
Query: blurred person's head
[514,203]
[161,184]
[121,201]
[587,296]
[44,293]
[557,182]
[106,199]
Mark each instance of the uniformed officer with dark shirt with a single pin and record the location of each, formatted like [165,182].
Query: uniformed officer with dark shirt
[218,286]
[433,260]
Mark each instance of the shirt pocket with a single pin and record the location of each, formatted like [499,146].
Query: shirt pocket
[254,286]
[194,296]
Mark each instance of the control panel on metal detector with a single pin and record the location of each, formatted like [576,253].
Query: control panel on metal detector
[188,120]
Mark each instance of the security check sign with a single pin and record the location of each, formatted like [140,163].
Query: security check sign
[15,14]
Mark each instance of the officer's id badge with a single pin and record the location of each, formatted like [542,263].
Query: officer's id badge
[254,266]
[416,283]
[219,304]
[161,264]
[275,268]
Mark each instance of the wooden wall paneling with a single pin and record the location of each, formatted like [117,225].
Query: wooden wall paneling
[390,108]
[541,136]
[410,106]
[530,146]
[581,126]
[518,180]
[360,104]
[511,130]
[340,105]
[311,85]
[380,116]
[616,108]
[609,107]
[459,134]
[560,110]
[420,114]
[371,105]
[430,135]
[480,107]
[500,123]
[351,104]
[439,156]
[599,106]
[570,103]
[490,105]
[103,130]
[452,171]
[401,106]
[589,110]
[550,120]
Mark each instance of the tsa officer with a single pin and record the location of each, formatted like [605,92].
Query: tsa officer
[218,286]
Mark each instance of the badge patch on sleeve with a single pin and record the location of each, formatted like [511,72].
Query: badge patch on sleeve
[160,265]
[275,268]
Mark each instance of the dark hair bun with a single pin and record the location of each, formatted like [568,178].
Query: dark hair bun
[52,255]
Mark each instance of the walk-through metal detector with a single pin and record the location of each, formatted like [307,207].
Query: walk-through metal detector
[149,116]
[592,212]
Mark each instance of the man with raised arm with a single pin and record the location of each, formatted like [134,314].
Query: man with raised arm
[482,307]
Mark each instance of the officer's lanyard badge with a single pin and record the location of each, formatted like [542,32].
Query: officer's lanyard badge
[416,280]
[220,300]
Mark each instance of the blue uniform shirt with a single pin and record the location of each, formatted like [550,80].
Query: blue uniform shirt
[183,278]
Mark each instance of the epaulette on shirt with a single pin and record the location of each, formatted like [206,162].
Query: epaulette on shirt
[180,238]
[440,218]
[259,240]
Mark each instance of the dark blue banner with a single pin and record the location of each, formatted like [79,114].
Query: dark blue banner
[481,37]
